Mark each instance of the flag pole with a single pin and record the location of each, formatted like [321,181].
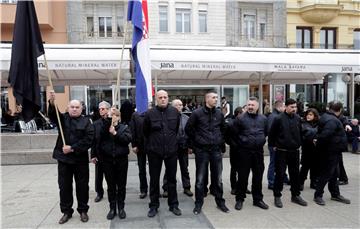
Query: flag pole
[56,107]
[117,91]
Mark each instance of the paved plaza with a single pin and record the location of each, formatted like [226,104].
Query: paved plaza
[30,199]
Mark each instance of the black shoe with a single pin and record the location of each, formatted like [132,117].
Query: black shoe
[111,214]
[223,208]
[301,187]
[238,205]
[152,212]
[298,200]
[271,187]
[142,195]
[188,192]
[205,194]
[277,202]
[341,199]
[197,210]
[212,192]
[261,204]
[165,194]
[319,200]
[175,210]
[233,192]
[248,191]
[343,182]
[65,218]
[122,213]
[84,217]
[98,198]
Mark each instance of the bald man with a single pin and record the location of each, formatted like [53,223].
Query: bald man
[73,158]
[161,125]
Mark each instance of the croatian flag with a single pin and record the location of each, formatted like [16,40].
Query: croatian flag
[138,15]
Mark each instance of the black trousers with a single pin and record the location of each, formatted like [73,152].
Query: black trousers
[309,162]
[290,159]
[329,174]
[116,177]
[233,170]
[341,170]
[253,160]
[155,164]
[66,173]
[183,159]
[141,159]
[202,160]
[99,176]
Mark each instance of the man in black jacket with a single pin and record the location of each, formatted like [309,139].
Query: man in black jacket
[73,158]
[112,149]
[251,131]
[104,109]
[331,142]
[285,137]
[137,132]
[161,126]
[183,155]
[206,129]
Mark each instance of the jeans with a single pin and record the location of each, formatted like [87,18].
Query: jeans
[202,160]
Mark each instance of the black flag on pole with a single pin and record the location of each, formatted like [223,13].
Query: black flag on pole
[26,48]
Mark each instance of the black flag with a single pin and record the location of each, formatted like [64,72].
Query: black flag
[26,48]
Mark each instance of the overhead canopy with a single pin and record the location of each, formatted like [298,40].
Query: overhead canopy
[98,64]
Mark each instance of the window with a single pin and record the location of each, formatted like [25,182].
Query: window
[202,21]
[262,31]
[105,28]
[357,39]
[249,26]
[328,38]
[90,26]
[8,1]
[203,18]
[163,19]
[120,26]
[183,19]
[304,37]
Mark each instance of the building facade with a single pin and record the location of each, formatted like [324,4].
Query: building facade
[324,24]
[52,21]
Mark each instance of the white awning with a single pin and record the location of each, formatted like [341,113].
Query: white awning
[98,64]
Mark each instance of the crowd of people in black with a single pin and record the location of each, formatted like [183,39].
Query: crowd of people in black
[164,135]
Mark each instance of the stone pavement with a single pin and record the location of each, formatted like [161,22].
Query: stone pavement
[30,199]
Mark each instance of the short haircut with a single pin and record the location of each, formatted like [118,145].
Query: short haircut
[253,99]
[278,103]
[104,104]
[335,106]
[175,102]
[209,92]
[289,101]
[223,97]
[237,111]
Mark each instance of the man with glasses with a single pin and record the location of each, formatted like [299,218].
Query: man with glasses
[104,108]
[73,158]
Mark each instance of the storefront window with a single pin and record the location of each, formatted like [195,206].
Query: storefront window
[337,88]
[236,96]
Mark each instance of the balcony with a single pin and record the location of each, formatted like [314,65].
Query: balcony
[319,11]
